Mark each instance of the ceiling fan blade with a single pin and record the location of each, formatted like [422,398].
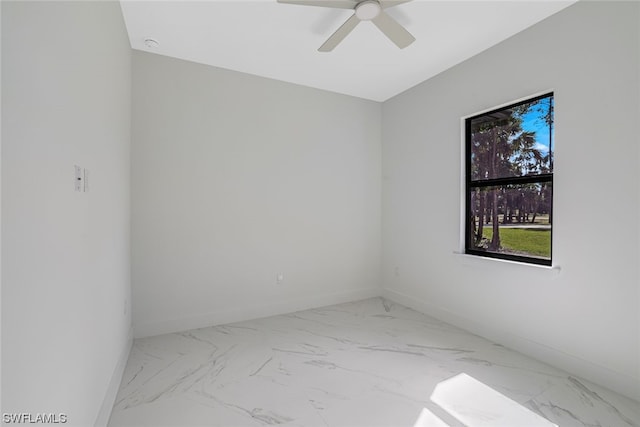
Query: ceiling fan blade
[386,4]
[396,32]
[340,34]
[338,4]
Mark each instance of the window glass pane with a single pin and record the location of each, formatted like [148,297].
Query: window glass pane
[512,220]
[514,141]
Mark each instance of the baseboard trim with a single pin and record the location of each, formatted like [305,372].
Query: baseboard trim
[616,381]
[114,384]
[248,313]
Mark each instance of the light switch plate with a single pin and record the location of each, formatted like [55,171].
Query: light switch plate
[78,178]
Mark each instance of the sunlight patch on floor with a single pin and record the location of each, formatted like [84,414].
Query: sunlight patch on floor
[429,419]
[476,404]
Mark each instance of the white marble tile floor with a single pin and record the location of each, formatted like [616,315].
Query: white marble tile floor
[367,363]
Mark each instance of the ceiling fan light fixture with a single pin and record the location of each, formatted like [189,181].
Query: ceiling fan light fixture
[368,10]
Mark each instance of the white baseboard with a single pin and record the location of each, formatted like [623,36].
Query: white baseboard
[112,390]
[248,313]
[616,381]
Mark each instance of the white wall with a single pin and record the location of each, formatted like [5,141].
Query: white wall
[586,318]
[66,99]
[236,178]
[0,208]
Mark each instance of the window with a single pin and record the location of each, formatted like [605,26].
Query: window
[509,181]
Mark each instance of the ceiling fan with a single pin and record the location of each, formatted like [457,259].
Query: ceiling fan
[365,10]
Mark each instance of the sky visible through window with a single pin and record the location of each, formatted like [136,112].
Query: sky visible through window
[533,121]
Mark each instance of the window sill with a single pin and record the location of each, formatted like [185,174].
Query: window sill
[475,260]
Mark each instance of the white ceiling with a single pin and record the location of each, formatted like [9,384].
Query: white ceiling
[280,41]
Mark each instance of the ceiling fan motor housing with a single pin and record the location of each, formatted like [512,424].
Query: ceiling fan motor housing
[368,10]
